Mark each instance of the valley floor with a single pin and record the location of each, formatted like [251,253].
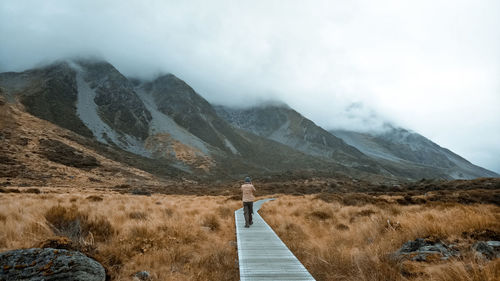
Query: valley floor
[336,236]
[172,237]
[358,242]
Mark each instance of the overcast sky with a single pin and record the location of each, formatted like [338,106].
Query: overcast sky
[432,66]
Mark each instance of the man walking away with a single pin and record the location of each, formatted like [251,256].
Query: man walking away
[248,189]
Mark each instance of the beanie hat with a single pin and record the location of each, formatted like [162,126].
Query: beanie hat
[247,179]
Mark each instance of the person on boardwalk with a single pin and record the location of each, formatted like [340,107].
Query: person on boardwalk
[248,189]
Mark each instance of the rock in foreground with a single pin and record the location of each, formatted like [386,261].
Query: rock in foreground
[49,265]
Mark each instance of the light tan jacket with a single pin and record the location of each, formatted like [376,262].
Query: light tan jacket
[248,190]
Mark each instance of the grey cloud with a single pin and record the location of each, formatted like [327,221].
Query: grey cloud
[431,66]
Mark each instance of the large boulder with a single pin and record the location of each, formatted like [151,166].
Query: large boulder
[49,265]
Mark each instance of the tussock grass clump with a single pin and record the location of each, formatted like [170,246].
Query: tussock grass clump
[321,215]
[138,215]
[93,198]
[234,198]
[77,225]
[342,226]
[211,221]
[140,232]
[168,212]
[58,242]
[225,211]
[11,190]
[64,222]
[365,213]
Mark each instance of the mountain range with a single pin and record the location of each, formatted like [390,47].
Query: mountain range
[165,127]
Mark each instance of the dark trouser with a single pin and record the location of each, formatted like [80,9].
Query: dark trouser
[248,211]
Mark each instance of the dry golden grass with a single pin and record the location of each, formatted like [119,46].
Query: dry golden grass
[172,237]
[181,237]
[340,242]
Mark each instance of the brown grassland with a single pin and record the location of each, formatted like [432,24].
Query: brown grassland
[339,242]
[337,236]
[172,237]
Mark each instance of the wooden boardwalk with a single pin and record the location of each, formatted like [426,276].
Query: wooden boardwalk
[261,253]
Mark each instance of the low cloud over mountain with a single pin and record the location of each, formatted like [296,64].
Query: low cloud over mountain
[165,122]
[431,66]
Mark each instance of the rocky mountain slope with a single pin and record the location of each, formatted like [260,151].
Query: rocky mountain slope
[163,123]
[165,127]
[284,125]
[396,152]
[403,146]
[35,152]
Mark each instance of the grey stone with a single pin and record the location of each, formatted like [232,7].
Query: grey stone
[420,249]
[412,246]
[420,257]
[493,243]
[49,265]
[488,249]
[143,276]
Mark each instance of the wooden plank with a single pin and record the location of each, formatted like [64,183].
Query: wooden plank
[261,253]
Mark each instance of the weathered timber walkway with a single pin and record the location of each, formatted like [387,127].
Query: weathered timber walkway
[261,253]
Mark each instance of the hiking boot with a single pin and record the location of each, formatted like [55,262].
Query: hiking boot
[251,222]
[247,226]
